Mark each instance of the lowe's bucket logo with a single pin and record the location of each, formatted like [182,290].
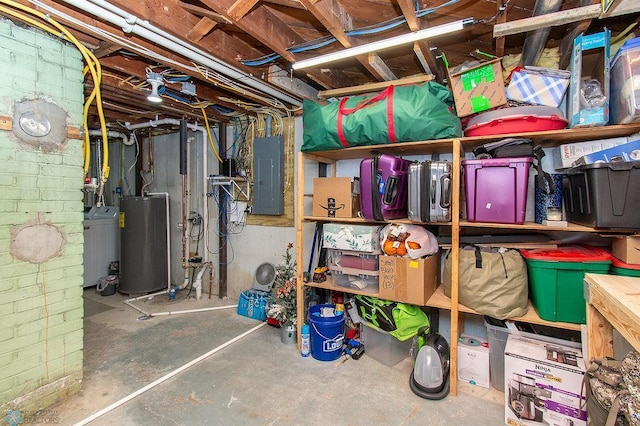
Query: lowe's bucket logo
[333,344]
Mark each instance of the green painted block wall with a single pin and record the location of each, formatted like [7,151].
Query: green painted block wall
[41,308]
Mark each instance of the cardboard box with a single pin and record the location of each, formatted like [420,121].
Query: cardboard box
[627,248]
[589,61]
[538,86]
[344,236]
[336,197]
[565,155]
[628,152]
[478,89]
[408,280]
[543,383]
[473,360]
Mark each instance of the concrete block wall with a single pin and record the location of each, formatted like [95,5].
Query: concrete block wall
[41,221]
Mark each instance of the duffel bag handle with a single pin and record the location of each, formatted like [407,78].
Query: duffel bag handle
[386,93]
[343,111]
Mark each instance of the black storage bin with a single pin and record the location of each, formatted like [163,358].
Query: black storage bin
[603,195]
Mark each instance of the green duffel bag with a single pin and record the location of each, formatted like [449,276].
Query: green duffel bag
[397,114]
[401,320]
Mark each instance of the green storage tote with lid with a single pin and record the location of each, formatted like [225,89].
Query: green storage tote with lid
[618,267]
[556,279]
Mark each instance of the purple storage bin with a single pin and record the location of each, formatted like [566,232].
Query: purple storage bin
[496,189]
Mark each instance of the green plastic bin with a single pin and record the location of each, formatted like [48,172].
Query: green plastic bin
[618,267]
[556,278]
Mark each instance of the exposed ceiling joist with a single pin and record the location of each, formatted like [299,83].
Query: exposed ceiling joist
[245,45]
[203,11]
[269,30]
[240,8]
[337,20]
[201,29]
[106,49]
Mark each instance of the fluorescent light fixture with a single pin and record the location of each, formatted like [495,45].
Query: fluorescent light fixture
[155,80]
[383,44]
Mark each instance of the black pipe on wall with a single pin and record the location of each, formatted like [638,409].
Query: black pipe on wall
[183,147]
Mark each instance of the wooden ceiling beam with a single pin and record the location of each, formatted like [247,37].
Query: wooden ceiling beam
[201,29]
[422,49]
[338,21]
[203,11]
[241,8]
[263,25]
[179,19]
[170,17]
[548,20]
[173,19]
[294,4]
[106,49]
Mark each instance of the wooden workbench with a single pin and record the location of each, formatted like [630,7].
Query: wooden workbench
[613,301]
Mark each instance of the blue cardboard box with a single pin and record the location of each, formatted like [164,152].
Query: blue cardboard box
[629,151]
[589,63]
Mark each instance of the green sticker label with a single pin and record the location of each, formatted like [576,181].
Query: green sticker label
[480,103]
[473,78]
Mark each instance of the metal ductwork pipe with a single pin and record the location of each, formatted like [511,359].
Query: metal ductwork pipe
[537,40]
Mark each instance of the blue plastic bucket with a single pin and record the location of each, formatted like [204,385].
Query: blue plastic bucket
[326,333]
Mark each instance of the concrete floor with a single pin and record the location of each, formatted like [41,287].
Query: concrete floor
[255,381]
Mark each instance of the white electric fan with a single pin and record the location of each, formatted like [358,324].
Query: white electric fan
[264,277]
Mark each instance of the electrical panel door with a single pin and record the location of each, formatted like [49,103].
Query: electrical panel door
[268,179]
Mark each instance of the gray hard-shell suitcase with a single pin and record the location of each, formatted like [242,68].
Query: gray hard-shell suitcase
[430,191]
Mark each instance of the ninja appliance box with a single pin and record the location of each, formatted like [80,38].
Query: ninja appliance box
[543,383]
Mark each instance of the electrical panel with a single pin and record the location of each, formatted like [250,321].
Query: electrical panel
[268,175]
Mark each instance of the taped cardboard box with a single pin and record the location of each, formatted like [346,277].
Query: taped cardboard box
[408,280]
[479,88]
[336,197]
[627,248]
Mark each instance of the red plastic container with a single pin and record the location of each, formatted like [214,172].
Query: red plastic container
[530,118]
[618,267]
[496,189]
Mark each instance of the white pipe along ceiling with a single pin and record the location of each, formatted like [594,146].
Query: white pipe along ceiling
[132,24]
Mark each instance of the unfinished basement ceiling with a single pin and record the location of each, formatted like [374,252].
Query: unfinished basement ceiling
[259,40]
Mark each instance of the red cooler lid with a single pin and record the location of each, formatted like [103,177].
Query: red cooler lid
[620,264]
[570,253]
